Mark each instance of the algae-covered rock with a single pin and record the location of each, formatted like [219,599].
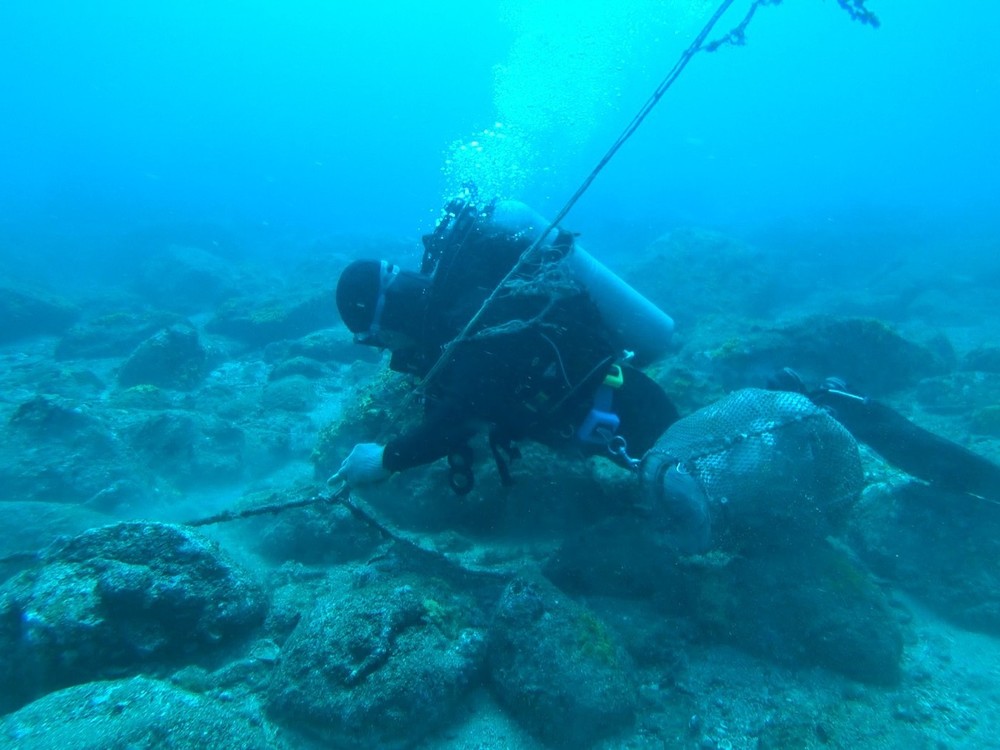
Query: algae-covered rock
[806,605]
[258,322]
[558,668]
[814,606]
[870,355]
[294,394]
[378,666]
[959,393]
[298,366]
[31,526]
[622,556]
[129,714]
[328,345]
[318,534]
[117,599]
[143,396]
[986,421]
[172,358]
[112,335]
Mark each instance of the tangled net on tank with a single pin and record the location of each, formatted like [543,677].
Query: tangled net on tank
[536,287]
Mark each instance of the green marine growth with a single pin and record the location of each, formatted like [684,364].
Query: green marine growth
[594,640]
[447,619]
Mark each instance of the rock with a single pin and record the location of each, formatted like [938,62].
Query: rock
[557,668]
[56,418]
[380,666]
[943,549]
[142,397]
[983,359]
[301,366]
[328,345]
[959,393]
[128,714]
[294,393]
[872,357]
[172,358]
[26,313]
[187,279]
[112,335]
[321,534]
[58,451]
[119,599]
[986,421]
[813,606]
[188,449]
[259,323]
[617,557]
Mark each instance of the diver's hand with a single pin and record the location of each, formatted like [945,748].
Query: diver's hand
[362,466]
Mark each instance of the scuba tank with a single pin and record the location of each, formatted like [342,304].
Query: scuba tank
[635,323]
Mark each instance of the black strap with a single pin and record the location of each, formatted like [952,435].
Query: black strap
[499,445]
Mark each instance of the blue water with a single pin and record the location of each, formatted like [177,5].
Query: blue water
[309,117]
[220,160]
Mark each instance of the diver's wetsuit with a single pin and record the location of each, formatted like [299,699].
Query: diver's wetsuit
[533,379]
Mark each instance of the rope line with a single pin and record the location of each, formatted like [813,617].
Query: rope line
[736,37]
[342,496]
[696,46]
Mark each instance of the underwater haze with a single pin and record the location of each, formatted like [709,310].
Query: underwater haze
[307,117]
[726,479]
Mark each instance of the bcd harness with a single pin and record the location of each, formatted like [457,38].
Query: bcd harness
[463,226]
[599,429]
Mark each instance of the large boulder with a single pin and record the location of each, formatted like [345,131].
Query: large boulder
[557,667]
[814,606]
[260,322]
[26,313]
[171,358]
[377,666]
[58,450]
[869,354]
[118,599]
[113,334]
[129,714]
[807,605]
[187,279]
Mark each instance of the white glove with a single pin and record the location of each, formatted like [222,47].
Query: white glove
[363,466]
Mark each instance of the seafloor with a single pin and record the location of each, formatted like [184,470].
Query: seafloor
[185,375]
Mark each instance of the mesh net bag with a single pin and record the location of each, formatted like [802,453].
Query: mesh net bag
[763,459]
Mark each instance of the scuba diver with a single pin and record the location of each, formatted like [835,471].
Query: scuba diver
[554,357]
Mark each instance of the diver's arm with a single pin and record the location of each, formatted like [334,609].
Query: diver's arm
[441,433]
